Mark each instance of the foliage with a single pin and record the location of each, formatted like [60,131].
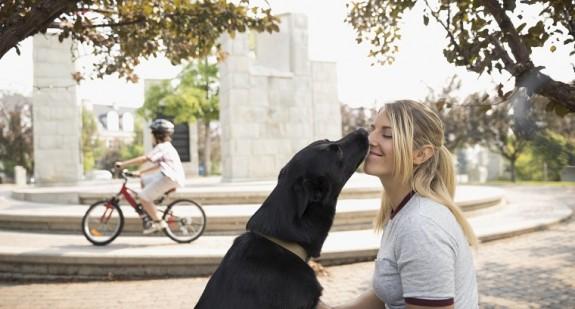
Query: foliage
[92,146]
[16,144]
[458,116]
[122,32]
[550,149]
[189,100]
[121,151]
[483,35]
[354,118]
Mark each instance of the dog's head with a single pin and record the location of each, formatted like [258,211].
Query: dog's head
[302,205]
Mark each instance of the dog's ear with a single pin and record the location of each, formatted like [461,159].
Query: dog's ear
[307,191]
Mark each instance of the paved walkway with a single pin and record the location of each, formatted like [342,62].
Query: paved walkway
[532,271]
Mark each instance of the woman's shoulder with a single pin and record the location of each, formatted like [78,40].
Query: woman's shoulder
[426,211]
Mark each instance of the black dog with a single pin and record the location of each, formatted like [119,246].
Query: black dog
[266,267]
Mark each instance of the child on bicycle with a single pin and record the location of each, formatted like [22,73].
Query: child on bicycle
[165,174]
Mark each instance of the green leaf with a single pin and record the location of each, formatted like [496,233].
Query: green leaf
[521,27]
[553,48]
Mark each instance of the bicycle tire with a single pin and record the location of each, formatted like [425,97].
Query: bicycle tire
[190,217]
[98,234]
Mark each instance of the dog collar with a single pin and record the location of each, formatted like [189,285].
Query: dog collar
[290,246]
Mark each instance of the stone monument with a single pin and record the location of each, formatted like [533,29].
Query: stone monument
[56,113]
[273,100]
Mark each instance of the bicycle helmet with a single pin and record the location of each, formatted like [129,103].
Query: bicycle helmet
[162,127]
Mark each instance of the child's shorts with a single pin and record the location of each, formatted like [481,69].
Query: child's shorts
[155,185]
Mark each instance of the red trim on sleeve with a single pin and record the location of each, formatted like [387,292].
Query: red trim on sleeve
[429,302]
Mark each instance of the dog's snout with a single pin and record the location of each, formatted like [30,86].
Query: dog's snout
[362,131]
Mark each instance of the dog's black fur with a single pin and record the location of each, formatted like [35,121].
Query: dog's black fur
[256,273]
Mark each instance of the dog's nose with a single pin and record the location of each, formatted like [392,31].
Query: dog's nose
[362,132]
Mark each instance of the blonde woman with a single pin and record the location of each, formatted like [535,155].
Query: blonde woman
[425,259]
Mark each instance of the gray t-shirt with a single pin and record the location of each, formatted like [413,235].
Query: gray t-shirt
[424,255]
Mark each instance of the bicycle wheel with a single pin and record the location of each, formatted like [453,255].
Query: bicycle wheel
[102,223]
[186,221]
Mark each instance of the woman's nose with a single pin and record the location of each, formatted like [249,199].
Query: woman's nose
[371,139]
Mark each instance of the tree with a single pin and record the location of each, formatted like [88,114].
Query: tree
[495,130]
[546,155]
[354,118]
[92,147]
[201,74]
[16,144]
[121,32]
[482,35]
[460,125]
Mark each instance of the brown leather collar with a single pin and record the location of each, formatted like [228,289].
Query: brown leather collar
[290,246]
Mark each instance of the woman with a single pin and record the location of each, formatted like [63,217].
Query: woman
[165,174]
[424,260]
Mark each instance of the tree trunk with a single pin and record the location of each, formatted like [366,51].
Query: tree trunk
[207,147]
[39,17]
[513,177]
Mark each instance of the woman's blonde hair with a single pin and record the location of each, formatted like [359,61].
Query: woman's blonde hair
[413,126]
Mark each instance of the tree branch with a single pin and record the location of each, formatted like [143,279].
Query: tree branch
[139,20]
[520,51]
[449,33]
[502,54]
[42,14]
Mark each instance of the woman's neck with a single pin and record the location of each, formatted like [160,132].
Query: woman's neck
[395,191]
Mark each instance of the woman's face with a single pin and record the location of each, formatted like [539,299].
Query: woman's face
[379,161]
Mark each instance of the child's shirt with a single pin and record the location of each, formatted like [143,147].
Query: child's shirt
[167,157]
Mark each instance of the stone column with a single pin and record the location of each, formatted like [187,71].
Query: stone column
[56,113]
[275,103]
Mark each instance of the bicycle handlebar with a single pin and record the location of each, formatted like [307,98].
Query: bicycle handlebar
[124,173]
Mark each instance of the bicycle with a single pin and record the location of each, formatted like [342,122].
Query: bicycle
[104,220]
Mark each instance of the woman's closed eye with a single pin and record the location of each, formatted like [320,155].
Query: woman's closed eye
[386,133]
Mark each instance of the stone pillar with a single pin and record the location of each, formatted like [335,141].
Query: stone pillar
[327,110]
[275,103]
[56,113]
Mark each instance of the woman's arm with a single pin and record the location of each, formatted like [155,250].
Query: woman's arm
[367,300]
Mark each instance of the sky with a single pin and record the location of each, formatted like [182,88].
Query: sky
[419,67]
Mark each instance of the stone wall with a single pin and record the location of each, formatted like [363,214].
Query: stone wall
[56,113]
[273,100]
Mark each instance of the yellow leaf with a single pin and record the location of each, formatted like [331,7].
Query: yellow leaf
[553,48]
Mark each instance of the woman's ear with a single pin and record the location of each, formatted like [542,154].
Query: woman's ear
[422,154]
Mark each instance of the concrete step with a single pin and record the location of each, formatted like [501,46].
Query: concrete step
[71,255]
[211,191]
[352,214]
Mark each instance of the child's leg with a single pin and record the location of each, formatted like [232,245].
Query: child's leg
[158,186]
